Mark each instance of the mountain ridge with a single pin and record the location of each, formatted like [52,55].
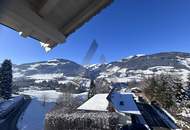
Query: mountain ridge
[128,69]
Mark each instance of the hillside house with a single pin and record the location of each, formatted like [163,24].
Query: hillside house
[121,103]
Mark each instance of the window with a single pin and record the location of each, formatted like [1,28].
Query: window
[121,103]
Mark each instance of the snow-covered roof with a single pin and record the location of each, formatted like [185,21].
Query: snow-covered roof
[96,103]
[124,103]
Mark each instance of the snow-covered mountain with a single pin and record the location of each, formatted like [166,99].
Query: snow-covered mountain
[136,67]
[132,68]
[57,71]
[54,68]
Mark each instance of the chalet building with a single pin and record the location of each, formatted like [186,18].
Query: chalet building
[121,103]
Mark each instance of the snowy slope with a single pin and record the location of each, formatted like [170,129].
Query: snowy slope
[56,70]
[55,67]
[131,68]
[139,66]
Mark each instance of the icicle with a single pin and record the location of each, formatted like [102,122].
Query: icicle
[45,46]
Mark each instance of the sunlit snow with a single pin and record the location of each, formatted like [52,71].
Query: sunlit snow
[42,102]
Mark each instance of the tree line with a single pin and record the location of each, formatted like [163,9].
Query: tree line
[6,79]
[170,91]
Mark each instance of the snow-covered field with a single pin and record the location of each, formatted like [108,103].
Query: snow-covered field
[45,76]
[47,95]
[42,102]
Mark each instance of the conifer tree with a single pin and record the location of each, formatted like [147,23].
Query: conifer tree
[6,79]
[92,90]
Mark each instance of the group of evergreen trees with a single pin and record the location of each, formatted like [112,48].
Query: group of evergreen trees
[6,79]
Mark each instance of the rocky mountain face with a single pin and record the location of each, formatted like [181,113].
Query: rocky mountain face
[132,68]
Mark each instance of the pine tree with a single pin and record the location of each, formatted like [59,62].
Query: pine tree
[6,79]
[92,90]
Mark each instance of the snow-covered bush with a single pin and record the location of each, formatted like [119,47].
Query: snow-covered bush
[67,102]
[81,121]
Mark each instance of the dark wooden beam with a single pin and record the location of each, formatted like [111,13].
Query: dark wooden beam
[84,16]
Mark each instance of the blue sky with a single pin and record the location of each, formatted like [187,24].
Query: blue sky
[127,27]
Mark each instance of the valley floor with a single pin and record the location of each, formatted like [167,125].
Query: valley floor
[42,102]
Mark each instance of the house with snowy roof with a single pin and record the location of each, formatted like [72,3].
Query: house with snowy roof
[131,112]
[98,103]
[122,103]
